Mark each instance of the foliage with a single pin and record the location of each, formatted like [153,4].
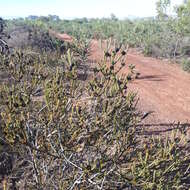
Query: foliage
[186,65]
[183,13]
[72,125]
[66,133]
[161,7]
[3,45]
[163,36]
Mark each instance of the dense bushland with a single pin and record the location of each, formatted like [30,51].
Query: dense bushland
[59,130]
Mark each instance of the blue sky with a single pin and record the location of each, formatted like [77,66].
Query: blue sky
[79,8]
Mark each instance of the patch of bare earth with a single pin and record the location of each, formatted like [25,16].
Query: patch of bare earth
[63,37]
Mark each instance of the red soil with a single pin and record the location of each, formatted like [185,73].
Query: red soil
[64,37]
[162,87]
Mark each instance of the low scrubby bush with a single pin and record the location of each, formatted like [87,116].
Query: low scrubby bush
[66,133]
[186,65]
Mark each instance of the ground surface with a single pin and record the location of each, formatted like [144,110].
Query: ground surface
[163,88]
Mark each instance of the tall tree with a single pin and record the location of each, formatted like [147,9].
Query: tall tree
[183,13]
[161,7]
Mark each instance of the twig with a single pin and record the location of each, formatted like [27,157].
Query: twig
[78,181]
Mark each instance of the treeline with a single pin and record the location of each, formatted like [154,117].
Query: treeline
[161,36]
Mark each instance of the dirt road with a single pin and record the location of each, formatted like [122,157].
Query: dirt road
[163,88]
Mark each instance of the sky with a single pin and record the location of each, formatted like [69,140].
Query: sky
[79,8]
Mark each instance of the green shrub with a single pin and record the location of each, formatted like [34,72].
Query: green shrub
[76,134]
[186,65]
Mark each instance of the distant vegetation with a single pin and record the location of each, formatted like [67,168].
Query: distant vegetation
[164,36]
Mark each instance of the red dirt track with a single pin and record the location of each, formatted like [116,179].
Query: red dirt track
[64,37]
[162,87]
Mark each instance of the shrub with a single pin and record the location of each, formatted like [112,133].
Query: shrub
[69,134]
[186,65]
[66,133]
[77,133]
